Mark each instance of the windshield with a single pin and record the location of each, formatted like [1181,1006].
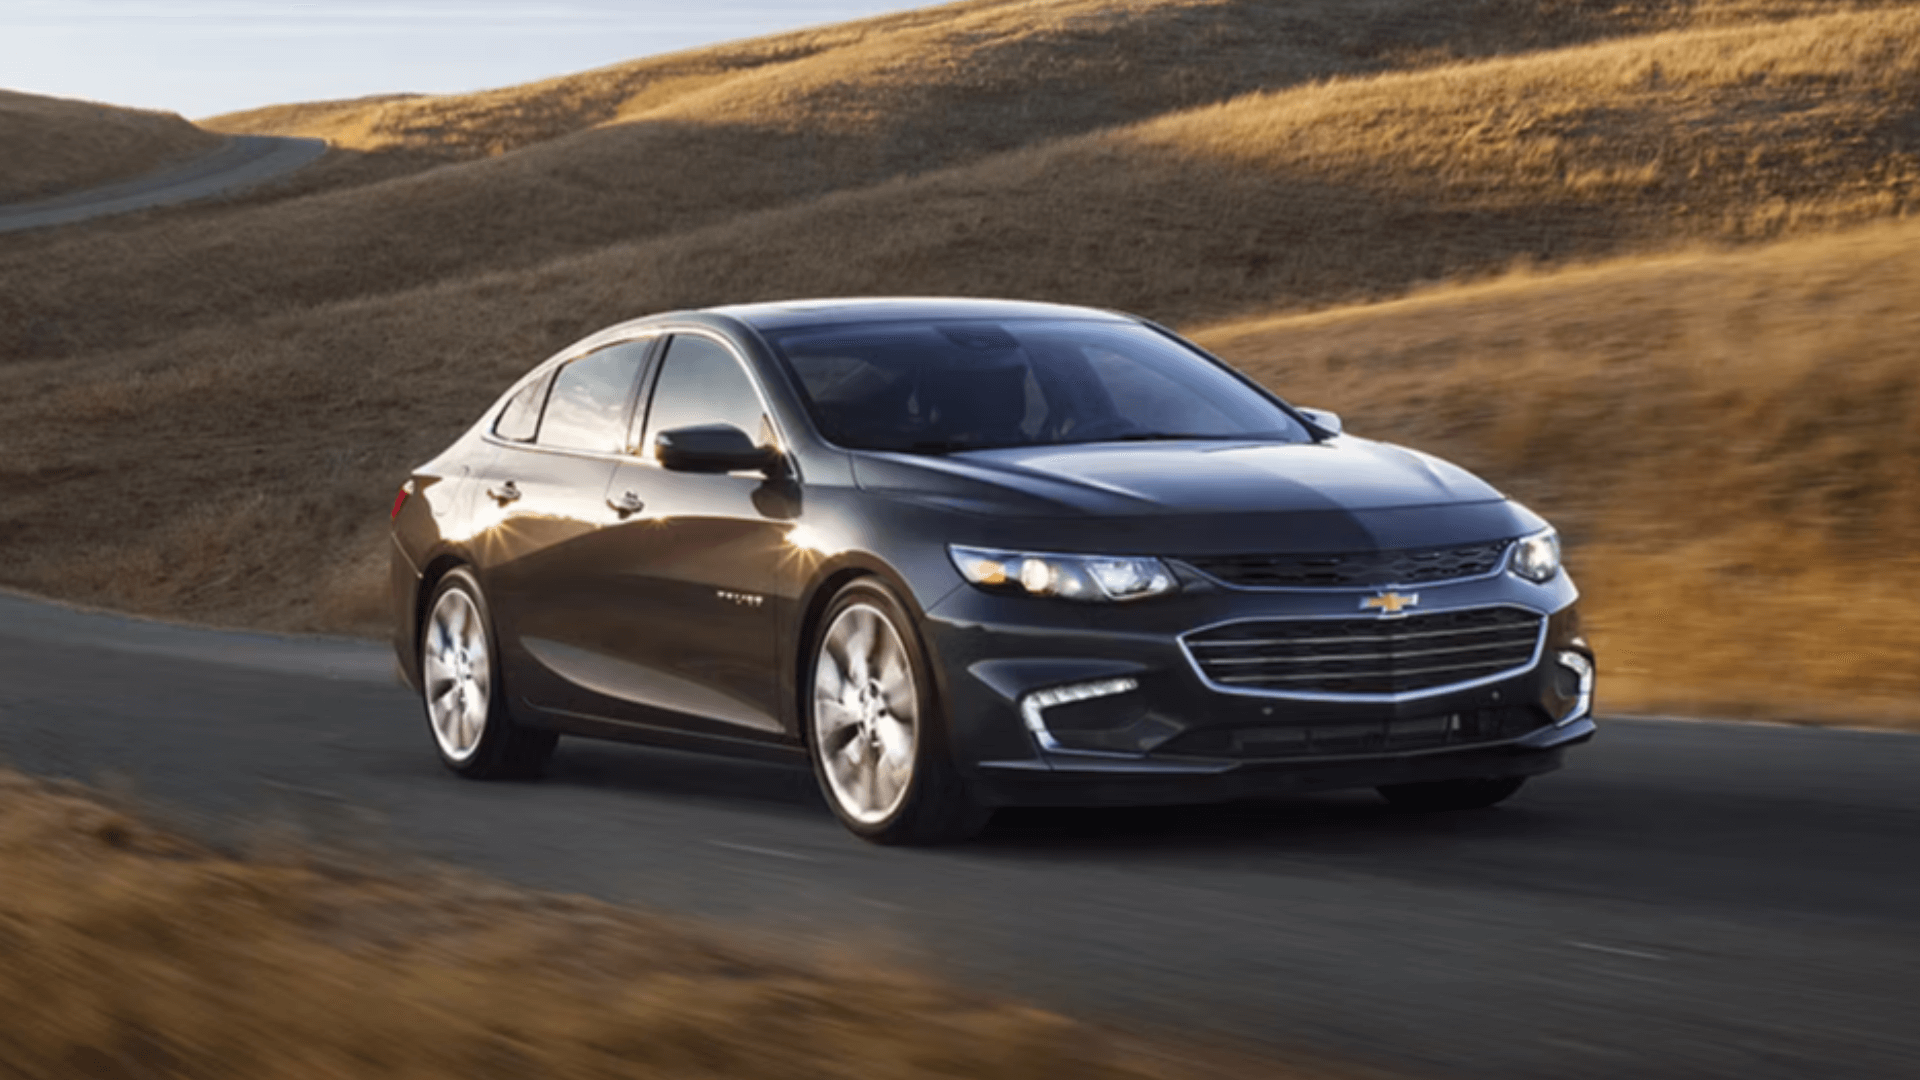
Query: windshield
[939,387]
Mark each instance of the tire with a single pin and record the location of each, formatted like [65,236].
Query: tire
[874,728]
[463,691]
[1448,795]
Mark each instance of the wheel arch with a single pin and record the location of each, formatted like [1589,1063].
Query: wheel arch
[813,613]
[434,572]
[827,584]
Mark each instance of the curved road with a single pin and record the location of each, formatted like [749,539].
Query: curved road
[1687,900]
[241,162]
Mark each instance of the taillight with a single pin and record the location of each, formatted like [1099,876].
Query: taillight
[400,499]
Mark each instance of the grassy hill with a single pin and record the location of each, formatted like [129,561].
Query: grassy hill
[948,100]
[56,145]
[1087,62]
[1220,163]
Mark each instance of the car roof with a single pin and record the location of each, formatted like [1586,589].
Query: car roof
[791,314]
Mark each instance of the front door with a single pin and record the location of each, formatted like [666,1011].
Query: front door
[694,561]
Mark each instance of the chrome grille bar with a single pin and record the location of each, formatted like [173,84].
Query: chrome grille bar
[1343,657]
[1342,640]
[1368,658]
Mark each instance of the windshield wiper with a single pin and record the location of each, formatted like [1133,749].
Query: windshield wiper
[1166,436]
[952,447]
[938,447]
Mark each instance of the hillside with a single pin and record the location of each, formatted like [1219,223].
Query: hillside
[56,145]
[1108,62]
[947,100]
[248,381]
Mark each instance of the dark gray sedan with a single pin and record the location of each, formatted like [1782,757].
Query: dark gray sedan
[968,554]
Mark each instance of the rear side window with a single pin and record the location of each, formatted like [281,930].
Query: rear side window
[521,418]
[587,409]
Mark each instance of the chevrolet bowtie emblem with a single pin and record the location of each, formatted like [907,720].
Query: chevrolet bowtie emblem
[1390,603]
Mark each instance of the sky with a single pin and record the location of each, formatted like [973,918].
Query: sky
[205,57]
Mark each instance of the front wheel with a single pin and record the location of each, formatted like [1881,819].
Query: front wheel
[461,685]
[1443,795]
[874,732]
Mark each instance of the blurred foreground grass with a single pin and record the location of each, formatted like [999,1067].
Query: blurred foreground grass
[126,952]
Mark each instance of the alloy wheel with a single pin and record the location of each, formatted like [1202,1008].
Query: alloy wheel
[458,674]
[865,713]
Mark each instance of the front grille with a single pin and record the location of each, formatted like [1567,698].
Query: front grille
[1353,569]
[1371,655]
[1343,737]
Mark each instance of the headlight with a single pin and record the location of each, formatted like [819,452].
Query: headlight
[1536,557]
[1070,577]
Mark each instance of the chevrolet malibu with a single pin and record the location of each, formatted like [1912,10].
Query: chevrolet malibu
[964,554]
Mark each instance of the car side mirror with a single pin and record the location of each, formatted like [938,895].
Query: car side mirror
[712,448]
[1322,419]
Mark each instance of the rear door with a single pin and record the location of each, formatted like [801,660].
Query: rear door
[540,503]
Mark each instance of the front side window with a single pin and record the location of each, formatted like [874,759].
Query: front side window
[702,383]
[587,409]
[976,384]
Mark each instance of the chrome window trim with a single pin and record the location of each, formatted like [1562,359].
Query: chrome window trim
[650,373]
[592,455]
[1539,650]
[1503,566]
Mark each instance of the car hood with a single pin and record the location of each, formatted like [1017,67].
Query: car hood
[1197,496]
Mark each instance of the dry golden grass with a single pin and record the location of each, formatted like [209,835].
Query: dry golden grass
[1731,441]
[872,72]
[57,145]
[1364,187]
[131,953]
[206,410]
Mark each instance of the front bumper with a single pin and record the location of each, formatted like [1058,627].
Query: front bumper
[1056,703]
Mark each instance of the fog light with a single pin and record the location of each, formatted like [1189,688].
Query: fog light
[1576,669]
[1033,707]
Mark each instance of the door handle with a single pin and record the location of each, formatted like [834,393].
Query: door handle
[505,493]
[627,505]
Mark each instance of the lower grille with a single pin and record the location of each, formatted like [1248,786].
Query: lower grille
[1347,737]
[1371,656]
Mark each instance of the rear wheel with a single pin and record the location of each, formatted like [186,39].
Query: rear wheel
[1443,795]
[461,686]
[875,734]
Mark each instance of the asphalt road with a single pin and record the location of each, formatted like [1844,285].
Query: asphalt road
[241,162]
[1687,900]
